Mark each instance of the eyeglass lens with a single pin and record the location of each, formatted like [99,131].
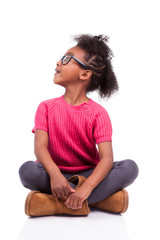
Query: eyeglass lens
[66,59]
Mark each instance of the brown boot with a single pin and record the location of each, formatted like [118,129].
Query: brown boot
[42,204]
[117,202]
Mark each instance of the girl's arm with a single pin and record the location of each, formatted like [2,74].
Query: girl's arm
[103,167]
[59,184]
[75,200]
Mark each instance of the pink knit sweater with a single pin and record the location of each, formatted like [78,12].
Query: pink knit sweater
[73,132]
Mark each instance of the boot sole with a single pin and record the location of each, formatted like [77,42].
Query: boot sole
[126,201]
[27,202]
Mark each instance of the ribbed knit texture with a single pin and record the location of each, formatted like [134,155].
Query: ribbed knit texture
[73,132]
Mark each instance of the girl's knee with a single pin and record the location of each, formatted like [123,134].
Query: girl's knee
[24,168]
[25,172]
[131,169]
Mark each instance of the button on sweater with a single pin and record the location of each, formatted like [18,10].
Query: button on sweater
[73,132]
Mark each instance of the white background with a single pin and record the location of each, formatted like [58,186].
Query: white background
[34,35]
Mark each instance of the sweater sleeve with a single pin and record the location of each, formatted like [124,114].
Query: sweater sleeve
[102,129]
[41,118]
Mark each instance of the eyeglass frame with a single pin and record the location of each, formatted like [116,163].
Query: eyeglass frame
[83,65]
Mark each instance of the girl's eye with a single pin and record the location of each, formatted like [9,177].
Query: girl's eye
[67,58]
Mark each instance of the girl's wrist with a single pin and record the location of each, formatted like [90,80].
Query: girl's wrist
[55,173]
[88,185]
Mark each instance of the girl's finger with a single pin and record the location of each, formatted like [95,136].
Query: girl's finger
[66,202]
[60,194]
[79,204]
[66,191]
[54,194]
[75,204]
[70,202]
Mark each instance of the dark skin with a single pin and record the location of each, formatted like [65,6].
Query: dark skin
[74,79]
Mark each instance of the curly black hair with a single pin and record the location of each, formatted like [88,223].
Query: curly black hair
[98,57]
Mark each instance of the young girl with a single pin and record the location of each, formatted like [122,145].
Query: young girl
[70,174]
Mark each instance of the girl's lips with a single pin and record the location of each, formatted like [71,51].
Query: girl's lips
[56,73]
[57,70]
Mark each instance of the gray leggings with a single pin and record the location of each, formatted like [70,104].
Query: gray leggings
[34,176]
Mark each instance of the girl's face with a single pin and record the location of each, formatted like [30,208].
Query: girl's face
[70,73]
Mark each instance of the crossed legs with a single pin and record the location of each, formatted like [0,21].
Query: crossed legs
[34,177]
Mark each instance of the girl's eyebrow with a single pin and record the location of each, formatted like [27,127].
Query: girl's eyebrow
[69,53]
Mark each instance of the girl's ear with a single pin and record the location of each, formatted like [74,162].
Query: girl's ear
[86,74]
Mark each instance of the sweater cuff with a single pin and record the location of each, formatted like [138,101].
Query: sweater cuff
[104,139]
[40,127]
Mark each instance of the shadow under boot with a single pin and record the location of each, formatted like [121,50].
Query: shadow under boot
[117,202]
[43,204]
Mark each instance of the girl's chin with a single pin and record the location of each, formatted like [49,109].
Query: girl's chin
[55,81]
[56,77]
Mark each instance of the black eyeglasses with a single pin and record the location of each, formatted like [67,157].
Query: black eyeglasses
[67,58]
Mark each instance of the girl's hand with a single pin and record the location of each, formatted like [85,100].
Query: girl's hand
[76,199]
[60,186]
